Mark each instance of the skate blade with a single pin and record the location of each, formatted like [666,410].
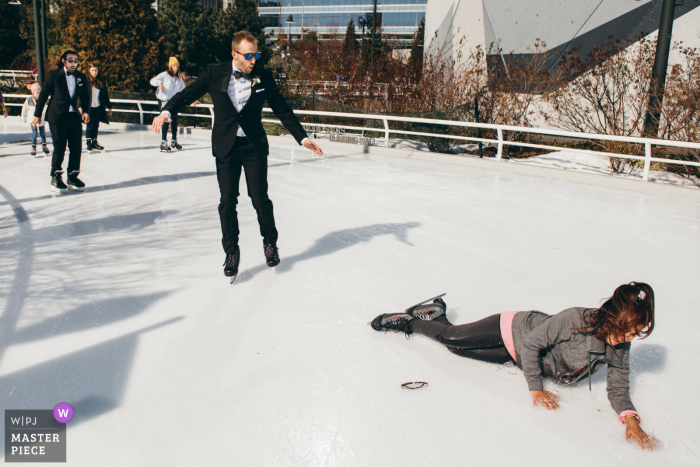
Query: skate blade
[233,279]
[75,188]
[274,270]
[60,191]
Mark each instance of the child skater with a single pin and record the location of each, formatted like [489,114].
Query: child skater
[568,346]
[28,115]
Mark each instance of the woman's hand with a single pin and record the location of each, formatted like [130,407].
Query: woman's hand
[635,431]
[160,86]
[546,398]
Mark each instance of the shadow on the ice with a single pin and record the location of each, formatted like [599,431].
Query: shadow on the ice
[126,184]
[647,358]
[336,241]
[83,228]
[92,380]
[86,317]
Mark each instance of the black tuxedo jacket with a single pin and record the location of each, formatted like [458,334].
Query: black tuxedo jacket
[56,86]
[215,81]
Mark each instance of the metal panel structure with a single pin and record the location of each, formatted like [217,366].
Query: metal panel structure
[505,26]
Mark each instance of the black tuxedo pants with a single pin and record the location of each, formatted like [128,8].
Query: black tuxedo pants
[67,133]
[228,173]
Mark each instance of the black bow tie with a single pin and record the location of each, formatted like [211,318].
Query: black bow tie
[69,73]
[238,75]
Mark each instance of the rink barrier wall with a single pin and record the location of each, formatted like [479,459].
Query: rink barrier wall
[499,142]
[505,166]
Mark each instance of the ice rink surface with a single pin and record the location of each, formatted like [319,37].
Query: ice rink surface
[114,300]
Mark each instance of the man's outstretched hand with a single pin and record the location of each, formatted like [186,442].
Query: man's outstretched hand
[313,147]
[159,121]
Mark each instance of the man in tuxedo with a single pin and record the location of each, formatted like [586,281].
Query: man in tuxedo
[238,91]
[69,91]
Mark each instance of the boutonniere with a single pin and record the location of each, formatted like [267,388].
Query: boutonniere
[78,80]
[256,81]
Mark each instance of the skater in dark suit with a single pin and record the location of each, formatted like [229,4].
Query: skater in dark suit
[70,95]
[238,91]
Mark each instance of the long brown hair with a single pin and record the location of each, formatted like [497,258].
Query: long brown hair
[96,80]
[173,73]
[630,309]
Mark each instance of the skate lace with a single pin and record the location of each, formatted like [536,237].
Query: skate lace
[231,260]
[270,251]
[424,315]
[397,326]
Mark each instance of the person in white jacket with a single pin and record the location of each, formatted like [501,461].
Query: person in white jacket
[168,84]
[28,115]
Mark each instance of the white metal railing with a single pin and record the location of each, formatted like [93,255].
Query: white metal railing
[500,141]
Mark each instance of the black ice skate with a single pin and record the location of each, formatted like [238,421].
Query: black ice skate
[397,322]
[45,148]
[74,183]
[96,145]
[89,145]
[175,145]
[57,185]
[428,311]
[272,255]
[34,150]
[231,264]
[164,146]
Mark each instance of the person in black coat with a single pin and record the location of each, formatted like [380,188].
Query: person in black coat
[238,92]
[99,105]
[69,93]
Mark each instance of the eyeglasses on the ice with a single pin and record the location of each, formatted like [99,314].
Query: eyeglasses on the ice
[414,385]
[249,56]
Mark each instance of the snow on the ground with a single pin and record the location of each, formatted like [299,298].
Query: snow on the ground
[592,163]
[114,300]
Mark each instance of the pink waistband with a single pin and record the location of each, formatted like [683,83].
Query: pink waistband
[507,332]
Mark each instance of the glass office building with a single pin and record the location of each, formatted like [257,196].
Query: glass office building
[399,19]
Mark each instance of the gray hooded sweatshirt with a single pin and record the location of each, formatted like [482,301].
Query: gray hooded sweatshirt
[550,345]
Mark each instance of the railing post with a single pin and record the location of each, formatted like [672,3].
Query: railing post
[140,113]
[386,132]
[647,161]
[500,145]
[211,111]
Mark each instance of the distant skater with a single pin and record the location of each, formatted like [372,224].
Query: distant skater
[238,91]
[168,84]
[27,116]
[2,105]
[568,346]
[100,107]
[65,85]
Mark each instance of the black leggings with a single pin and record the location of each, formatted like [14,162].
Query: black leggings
[173,125]
[480,340]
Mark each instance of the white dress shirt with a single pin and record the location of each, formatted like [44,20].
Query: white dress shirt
[70,80]
[239,93]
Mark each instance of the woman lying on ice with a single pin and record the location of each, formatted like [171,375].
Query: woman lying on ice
[568,346]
